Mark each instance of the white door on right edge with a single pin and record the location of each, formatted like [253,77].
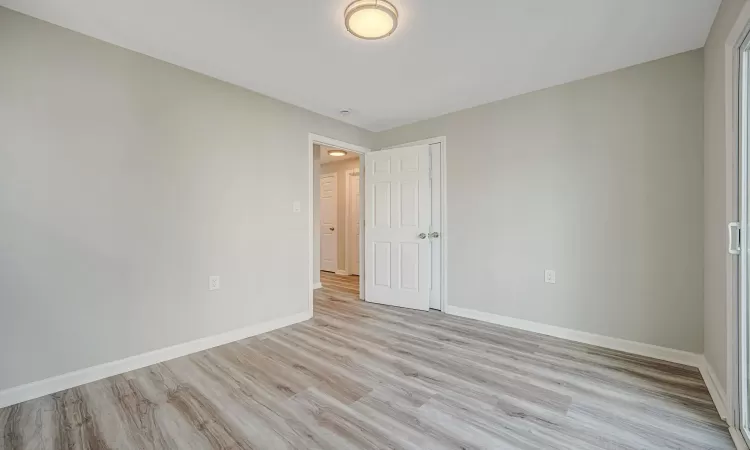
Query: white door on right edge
[397,223]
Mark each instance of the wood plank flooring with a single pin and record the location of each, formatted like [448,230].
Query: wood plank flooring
[367,376]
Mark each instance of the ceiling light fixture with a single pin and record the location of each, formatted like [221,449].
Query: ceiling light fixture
[336,153]
[371,19]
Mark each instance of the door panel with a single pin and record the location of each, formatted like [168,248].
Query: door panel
[397,220]
[382,205]
[328,223]
[409,203]
[409,265]
[382,264]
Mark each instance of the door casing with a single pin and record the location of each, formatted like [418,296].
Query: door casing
[731,61]
[352,232]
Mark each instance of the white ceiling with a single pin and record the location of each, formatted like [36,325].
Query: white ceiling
[446,55]
[326,158]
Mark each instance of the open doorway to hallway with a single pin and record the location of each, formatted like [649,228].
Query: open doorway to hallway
[337,203]
[391,241]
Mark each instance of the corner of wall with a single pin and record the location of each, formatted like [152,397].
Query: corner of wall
[715,389]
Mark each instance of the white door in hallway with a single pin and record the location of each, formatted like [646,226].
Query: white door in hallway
[328,222]
[397,224]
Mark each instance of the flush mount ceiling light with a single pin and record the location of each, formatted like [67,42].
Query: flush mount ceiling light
[336,153]
[371,19]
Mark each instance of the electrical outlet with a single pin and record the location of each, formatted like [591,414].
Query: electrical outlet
[296,206]
[549,276]
[214,283]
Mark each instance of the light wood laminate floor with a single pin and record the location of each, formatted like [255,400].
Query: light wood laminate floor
[367,376]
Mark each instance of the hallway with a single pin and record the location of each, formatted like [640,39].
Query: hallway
[341,285]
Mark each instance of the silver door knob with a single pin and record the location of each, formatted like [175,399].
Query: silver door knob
[434,234]
[421,236]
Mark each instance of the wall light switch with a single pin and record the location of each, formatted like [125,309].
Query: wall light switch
[214,283]
[296,207]
[549,276]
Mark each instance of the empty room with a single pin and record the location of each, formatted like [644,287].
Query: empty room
[371,224]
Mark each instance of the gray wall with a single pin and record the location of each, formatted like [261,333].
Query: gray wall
[599,179]
[717,210]
[124,183]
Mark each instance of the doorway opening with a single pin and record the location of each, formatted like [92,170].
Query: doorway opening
[335,219]
[377,224]
[338,203]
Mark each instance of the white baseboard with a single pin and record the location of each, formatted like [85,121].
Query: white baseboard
[637,348]
[69,380]
[342,272]
[714,387]
[317,286]
[737,438]
[667,354]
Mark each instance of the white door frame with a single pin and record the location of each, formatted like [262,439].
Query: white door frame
[443,213]
[348,228]
[732,187]
[313,139]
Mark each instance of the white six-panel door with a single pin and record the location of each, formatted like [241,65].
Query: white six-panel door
[328,222]
[397,222]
